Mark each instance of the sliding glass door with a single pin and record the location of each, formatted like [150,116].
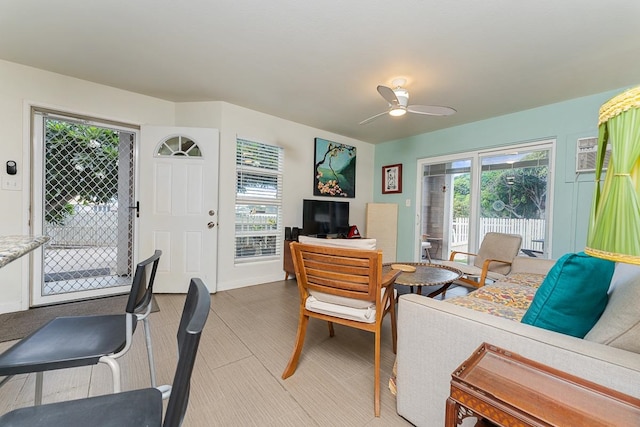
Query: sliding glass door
[445,196]
[513,189]
[463,197]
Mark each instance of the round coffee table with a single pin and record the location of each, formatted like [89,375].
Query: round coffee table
[426,275]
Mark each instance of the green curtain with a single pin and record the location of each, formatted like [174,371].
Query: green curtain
[614,226]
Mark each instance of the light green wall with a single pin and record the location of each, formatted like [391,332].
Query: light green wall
[565,121]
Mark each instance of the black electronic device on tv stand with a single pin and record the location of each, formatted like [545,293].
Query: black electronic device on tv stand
[325,218]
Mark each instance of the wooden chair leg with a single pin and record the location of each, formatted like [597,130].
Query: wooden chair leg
[297,349]
[376,384]
[331,333]
[394,325]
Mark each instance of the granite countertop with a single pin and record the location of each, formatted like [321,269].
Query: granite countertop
[13,247]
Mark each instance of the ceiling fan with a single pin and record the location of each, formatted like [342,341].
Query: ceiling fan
[398,99]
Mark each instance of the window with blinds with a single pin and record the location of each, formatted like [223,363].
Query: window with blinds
[258,201]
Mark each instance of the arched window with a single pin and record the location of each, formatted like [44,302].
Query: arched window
[178,146]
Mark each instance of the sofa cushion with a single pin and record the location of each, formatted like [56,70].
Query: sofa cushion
[525,264]
[489,307]
[619,325]
[507,294]
[572,296]
[530,280]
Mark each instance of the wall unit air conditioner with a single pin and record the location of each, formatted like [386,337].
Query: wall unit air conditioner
[586,151]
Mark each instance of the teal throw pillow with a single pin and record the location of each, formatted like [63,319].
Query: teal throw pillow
[572,296]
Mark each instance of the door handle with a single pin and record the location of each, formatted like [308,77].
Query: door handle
[137,208]
[211,224]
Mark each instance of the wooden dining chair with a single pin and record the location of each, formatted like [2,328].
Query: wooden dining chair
[67,342]
[132,408]
[344,286]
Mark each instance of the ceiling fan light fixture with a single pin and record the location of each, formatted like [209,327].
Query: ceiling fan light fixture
[402,95]
[398,111]
[398,104]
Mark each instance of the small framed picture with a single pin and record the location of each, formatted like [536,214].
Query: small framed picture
[392,179]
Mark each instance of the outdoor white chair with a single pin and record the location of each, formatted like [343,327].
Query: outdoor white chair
[425,245]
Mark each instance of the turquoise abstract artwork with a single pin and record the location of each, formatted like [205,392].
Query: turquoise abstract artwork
[335,169]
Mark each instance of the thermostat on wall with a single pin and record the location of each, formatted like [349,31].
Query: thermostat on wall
[12,168]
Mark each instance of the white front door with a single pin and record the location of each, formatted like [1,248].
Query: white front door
[179,204]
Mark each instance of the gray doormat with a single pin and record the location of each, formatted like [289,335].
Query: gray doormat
[18,325]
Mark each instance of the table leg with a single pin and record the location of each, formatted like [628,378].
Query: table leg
[451,419]
[439,291]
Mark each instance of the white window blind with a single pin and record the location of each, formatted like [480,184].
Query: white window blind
[259,170]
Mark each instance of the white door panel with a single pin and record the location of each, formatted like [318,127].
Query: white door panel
[179,207]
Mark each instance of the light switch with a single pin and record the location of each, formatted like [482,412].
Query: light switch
[11,183]
[407,203]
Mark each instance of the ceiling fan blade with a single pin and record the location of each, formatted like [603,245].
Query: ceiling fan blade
[365,121]
[388,94]
[431,110]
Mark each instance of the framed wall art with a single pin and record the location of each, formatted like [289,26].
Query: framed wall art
[392,179]
[334,169]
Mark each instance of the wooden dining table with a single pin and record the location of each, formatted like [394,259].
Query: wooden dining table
[425,275]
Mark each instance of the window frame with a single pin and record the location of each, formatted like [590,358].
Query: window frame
[476,171]
[252,208]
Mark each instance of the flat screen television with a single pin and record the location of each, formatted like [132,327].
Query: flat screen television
[324,218]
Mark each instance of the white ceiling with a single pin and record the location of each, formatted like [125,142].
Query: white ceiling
[319,62]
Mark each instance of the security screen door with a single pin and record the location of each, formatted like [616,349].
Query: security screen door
[83,199]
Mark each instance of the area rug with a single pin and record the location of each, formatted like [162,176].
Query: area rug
[18,325]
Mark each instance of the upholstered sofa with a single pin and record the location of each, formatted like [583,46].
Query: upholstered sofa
[435,337]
